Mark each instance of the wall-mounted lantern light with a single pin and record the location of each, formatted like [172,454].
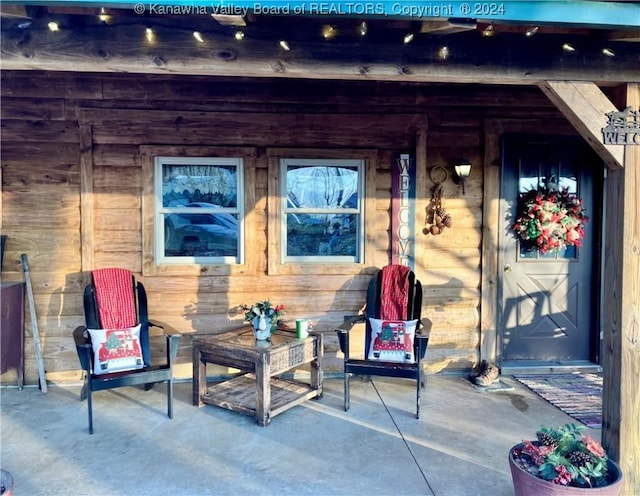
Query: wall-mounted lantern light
[462,170]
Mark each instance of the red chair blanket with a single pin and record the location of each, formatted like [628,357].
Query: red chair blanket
[394,292]
[116,301]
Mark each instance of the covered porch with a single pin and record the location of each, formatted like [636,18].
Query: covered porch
[86,107]
[459,446]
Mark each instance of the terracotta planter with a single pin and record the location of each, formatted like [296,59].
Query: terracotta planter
[6,483]
[526,484]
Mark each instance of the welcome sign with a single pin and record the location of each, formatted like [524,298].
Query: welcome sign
[403,209]
[623,128]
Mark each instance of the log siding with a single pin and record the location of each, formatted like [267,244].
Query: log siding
[77,183]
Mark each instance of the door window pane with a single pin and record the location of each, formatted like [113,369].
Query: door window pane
[529,175]
[561,173]
[568,177]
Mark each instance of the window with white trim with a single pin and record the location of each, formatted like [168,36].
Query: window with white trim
[199,210]
[322,210]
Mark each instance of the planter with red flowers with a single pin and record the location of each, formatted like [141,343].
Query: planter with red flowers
[264,317]
[563,461]
[549,220]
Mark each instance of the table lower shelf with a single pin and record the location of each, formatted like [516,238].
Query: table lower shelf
[239,395]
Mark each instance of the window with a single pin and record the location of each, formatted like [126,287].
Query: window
[199,210]
[321,210]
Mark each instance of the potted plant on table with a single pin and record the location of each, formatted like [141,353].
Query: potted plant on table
[563,461]
[264,317]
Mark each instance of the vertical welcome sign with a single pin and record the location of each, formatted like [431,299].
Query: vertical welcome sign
[403,211]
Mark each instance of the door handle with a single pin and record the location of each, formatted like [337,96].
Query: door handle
[508,268]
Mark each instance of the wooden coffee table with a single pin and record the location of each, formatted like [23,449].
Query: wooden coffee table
[258,391]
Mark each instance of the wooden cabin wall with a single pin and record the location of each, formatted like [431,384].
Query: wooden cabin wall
[52,122]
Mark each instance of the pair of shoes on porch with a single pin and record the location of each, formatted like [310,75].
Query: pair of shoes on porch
[487,375]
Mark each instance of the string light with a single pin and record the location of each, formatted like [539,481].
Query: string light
[328,32]
[488,31]
[103,15]
[531,31]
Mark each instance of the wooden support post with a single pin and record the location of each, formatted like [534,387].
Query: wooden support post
[621,357]
[585,107]
[422,198]
[490,242]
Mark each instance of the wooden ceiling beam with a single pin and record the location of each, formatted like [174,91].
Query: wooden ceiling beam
[630,35]
[585,106]
[123,48]
[14,12]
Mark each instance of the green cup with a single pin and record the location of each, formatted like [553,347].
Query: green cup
[302,328]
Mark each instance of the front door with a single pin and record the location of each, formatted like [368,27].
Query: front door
[548,311]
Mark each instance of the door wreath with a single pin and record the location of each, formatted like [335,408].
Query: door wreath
[549,220]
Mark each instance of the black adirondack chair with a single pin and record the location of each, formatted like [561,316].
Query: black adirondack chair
[148,374]
[373,309]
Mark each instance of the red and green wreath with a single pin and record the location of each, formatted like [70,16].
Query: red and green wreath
[549,220]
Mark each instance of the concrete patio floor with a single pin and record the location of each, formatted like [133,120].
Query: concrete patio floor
[458,447]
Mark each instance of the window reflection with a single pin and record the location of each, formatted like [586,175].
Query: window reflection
[529,175]
[183,184]
[322,187]
[322,209]
[201,235]
[321,235]
[199,219]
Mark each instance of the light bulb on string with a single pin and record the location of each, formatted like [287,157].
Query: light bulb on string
[531,31]
[488,31]
[328,32]
[103,16]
